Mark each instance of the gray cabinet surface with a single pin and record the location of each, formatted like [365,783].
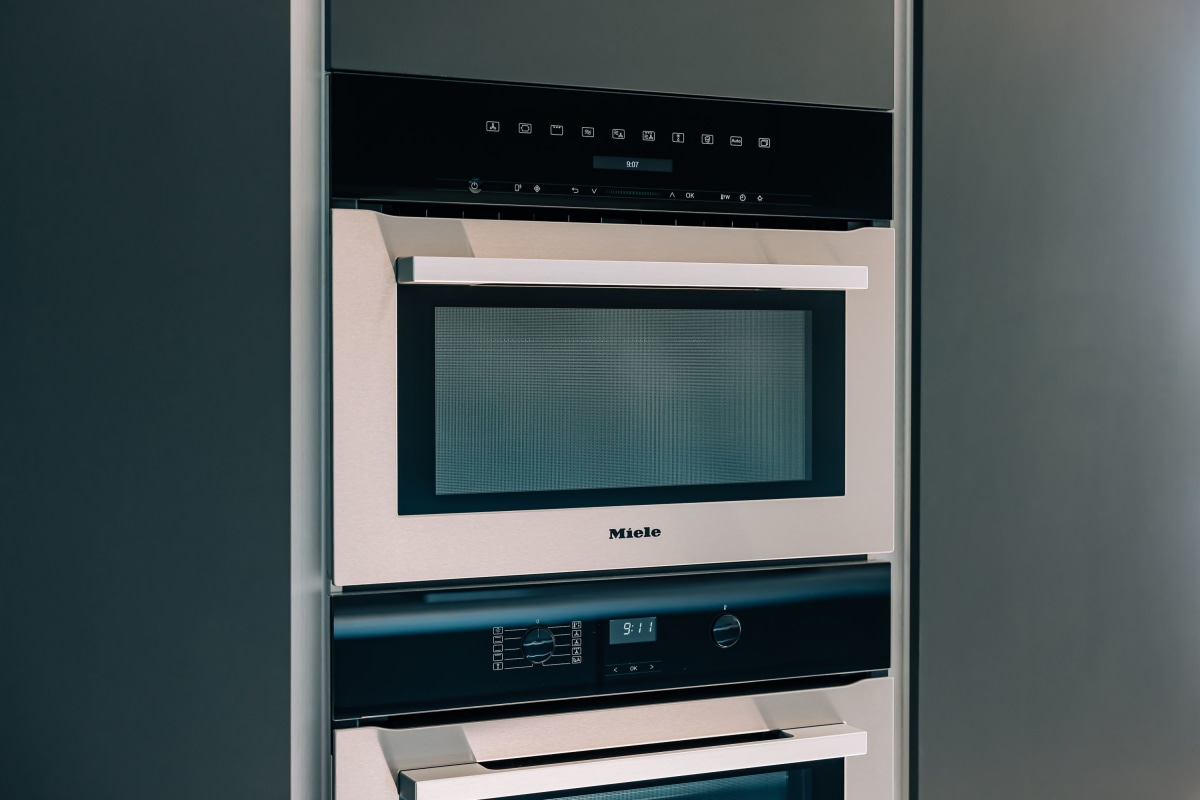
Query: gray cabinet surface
[144,401]
[1059,401]
[835,53]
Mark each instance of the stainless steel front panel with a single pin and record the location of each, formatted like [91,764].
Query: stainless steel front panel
[855,722]
[374,545]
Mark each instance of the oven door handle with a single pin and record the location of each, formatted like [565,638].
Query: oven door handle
[478,782]
[577,272]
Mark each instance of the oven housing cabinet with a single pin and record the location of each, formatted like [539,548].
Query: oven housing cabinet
[378,258]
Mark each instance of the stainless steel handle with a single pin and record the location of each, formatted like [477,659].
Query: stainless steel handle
[576,272]
[477,782]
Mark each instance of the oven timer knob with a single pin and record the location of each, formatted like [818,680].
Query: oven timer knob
[726,630]
[538,645]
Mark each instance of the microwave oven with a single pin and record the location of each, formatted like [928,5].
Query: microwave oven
[557,350]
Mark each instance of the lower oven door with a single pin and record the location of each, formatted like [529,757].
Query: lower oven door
[798,764]
[813,744]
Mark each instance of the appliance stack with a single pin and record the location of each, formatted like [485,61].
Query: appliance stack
[613,445]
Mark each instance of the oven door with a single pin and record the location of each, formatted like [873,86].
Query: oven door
[799,764]
[548,398]
[817,744]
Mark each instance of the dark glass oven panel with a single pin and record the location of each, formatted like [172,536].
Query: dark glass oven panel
[433,140]
[538,397]
[813,780]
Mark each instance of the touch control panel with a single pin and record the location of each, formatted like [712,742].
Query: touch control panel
[403,652]
[445,141]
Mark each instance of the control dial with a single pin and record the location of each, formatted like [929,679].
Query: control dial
[726,630]
[538,645]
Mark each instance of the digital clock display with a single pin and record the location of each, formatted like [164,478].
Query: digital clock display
[628,631]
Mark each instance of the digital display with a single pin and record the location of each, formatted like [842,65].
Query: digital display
[629,631]
[633,163]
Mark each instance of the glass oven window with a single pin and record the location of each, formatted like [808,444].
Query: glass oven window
[552,399]
[540,397]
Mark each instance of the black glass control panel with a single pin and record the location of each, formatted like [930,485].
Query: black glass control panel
[405,652]
[436,140]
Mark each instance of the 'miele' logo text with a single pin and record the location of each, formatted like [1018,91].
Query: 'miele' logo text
[633,533]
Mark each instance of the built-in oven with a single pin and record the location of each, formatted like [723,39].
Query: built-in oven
[768,684]
[579,332]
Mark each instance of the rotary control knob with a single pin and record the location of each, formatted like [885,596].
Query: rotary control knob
[538,645]
[726,630]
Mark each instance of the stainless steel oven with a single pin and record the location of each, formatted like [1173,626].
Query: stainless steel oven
[768,684]
[559,348]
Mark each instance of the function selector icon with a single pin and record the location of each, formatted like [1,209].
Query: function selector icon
[706,138]
[647,136]
[677,138]
[556,130]
[492,126]
[618,133]
[588,132]
[735,141]
[764,142]
[525,127]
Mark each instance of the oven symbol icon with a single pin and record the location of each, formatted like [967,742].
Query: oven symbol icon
[493,126]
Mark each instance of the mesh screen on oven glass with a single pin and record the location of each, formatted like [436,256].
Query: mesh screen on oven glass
[547,399]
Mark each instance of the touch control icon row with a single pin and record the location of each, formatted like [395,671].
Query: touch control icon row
[589,132]
[475,186]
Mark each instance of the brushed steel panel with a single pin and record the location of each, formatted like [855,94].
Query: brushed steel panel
[369,760]
[374,545]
